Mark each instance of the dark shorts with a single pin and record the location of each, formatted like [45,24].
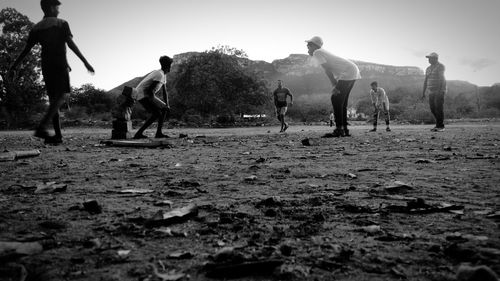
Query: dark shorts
[56,81]
[153,104]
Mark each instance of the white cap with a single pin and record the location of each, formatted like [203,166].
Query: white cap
[432,55]
[316,40]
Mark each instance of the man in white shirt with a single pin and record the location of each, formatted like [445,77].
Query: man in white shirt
[380,103]
[145,94]
[343,74]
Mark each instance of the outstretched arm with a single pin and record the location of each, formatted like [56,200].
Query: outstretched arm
[21,56]
[74,48]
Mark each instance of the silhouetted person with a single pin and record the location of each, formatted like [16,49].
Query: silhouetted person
[342,73]
[381,104]
[52,34]
[280,101]
[145,94]
[435,84]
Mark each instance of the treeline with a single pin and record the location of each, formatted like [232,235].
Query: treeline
[215,86]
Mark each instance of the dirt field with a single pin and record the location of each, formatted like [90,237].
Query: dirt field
[366,207]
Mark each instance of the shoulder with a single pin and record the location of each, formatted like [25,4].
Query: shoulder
[286,90]
[382,90]
[441,66]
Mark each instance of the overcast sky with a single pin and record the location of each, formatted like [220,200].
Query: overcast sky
[123,39]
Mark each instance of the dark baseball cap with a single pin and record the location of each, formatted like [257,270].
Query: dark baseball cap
[50,3]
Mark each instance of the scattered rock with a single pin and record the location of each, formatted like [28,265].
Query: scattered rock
[50,187]
[475,273]
[92,206]
[175,216]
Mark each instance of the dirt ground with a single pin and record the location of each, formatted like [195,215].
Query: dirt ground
[366,207]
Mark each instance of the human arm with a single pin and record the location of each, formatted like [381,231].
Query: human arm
[425,87]
[74,48]
[165,96]
[27,48]
[442,79]
[330,76]
[291,97]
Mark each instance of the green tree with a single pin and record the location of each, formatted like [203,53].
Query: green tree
[94,100]
[24,94]
[216,82]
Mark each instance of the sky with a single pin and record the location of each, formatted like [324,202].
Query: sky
[123,39]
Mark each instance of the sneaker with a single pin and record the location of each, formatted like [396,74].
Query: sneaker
[54,140]
[141,136]
[161,136]
[338,133]
[373,130]
[388,129]
[440,129]
[346,133]
[43,134]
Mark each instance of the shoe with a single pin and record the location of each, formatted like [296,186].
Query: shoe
[161,136]
[286,127]
[373,130]
[141,136]
[338,133]
[54,140]
[388,129]
[434,129]
[440,129]
[43,134]
[346,133]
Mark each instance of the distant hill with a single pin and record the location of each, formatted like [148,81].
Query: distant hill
[304,78]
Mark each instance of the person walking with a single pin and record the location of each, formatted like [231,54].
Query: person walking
[342,73]
[280,101]
[381,104]
[435,85]
[53,34]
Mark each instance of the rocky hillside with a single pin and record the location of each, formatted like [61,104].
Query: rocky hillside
[304,78]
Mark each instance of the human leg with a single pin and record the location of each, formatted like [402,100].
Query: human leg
[155,114]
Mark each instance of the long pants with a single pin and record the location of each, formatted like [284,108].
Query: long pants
[339,102]
[436,101]
[385,110]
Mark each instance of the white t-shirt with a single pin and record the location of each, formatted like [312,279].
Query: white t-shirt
[155,76]
[379,97]
[342,69]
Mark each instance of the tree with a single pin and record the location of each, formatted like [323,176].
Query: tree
[216,82]
[24,94]
[92,99]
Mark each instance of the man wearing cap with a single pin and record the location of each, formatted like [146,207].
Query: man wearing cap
[145,94]
[435,84]
[342,73]
[380,103]
[52,34]
[280,101]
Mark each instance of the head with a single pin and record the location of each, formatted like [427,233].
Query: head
[165,63]
[374,85]
[433,58]
[280,83]
[50,7]
[313,44]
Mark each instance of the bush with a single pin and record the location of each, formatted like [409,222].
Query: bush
[77,113]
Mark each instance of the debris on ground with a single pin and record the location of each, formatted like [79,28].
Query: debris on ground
[175,216]
[14,155]
[50,187]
